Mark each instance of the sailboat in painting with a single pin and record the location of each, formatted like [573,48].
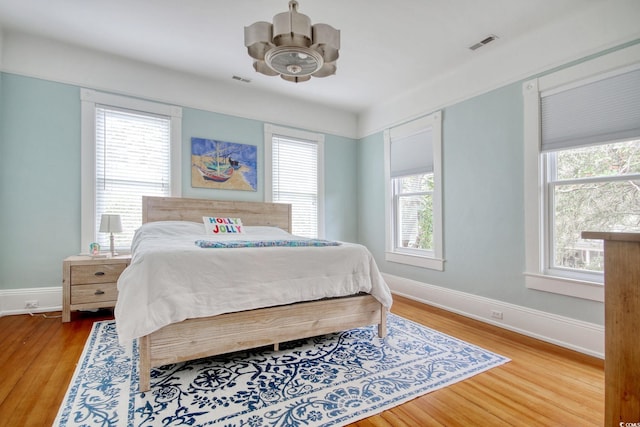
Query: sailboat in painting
[218,169]
[215,174]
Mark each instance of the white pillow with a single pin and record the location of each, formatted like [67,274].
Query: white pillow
[216,225]
[170,228]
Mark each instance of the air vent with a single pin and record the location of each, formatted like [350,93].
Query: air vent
[241,79]
[486,41]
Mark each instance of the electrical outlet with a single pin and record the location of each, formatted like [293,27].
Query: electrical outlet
[33,303]
[496,314]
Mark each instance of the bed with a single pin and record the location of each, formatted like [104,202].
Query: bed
[185,331]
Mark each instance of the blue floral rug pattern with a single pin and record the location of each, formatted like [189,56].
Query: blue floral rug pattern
[329,380]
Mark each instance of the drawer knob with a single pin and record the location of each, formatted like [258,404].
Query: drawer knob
[99,273]
[99,292]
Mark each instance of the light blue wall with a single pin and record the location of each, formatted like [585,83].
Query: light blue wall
[40,176]
[40,179]
[483,203]
[371,197]
[340,181]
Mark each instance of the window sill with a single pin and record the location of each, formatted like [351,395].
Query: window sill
[563,286]
[416,261]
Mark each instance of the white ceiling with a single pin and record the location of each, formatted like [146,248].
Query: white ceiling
[388,47]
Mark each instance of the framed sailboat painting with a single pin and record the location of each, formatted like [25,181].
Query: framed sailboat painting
[223,165]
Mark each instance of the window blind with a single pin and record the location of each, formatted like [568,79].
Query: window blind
[132,160]
[295,181]
[411,149]
[597,112]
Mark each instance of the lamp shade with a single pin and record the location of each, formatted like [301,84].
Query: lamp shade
[110,223]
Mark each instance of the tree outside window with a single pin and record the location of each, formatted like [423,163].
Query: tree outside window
[595,188]
[414,227]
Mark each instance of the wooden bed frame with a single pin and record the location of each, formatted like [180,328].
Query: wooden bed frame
[209,336]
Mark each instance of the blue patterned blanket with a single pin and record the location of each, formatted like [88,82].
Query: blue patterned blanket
[263,243]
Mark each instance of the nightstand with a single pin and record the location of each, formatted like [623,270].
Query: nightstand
[90,283]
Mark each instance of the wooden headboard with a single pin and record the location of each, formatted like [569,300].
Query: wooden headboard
[184,209]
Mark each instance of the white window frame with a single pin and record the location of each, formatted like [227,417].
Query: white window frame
[419,258]
[534,214]
[89,98]
[269,131]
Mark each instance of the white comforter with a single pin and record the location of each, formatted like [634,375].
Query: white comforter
[170,279]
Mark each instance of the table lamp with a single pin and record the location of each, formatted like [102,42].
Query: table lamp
[110,223]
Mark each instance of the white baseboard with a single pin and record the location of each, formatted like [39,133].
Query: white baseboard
[577,335]
[574,334]
[12,301]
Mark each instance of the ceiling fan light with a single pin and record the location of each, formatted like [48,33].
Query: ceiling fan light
[296,79]
[262,67]
[292,47]
[292,28]
[294,61]
[256,39]
[328,69]
[326,40]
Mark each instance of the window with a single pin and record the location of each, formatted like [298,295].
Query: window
[414,211]
[582,169]
[130,148]
[294,174]
[413,214]
[589,188]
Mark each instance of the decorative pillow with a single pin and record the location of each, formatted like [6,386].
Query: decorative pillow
[216,225]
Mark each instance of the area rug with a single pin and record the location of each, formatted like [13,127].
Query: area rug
[328,380]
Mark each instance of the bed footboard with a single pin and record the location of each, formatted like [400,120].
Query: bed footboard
[209,336]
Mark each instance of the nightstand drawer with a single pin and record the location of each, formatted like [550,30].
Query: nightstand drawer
[97,273]
[98,292]
[89,283]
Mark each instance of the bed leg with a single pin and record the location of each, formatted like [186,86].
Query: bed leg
[276,346]
[145,364]
[382,326]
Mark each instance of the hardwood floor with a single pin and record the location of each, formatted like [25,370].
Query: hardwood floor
[543,385]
